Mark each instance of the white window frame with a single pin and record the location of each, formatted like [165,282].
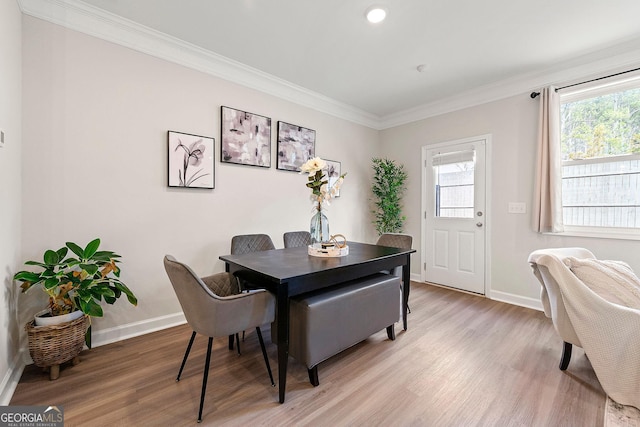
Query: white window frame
[594,90]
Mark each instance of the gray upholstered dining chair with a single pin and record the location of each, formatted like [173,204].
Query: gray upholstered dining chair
[295,239]
[213,308]
[396,240]
[246,243]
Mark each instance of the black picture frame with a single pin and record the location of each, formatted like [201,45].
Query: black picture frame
[296,145]
[191,160]
[245,138]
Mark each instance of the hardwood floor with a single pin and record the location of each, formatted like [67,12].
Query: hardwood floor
[464,361]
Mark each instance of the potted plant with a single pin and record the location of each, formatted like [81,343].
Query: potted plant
[77,283]
[388,187]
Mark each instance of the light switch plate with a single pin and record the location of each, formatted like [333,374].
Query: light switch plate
[517,207]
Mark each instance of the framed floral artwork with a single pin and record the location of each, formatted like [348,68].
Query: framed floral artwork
[245,138]
[296,145]
[191,160]
[333,173]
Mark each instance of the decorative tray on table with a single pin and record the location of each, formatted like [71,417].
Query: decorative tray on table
[333,248]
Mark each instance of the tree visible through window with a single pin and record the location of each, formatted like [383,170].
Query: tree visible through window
[601,159]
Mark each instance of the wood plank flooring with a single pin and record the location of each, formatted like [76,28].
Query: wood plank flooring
[464,361]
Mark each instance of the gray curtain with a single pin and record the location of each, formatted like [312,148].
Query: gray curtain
[547,209]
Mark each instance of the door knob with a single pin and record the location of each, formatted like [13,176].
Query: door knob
[479,224]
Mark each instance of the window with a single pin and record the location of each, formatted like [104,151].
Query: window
[454,178]
[601,157]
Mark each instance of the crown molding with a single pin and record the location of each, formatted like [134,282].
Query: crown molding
[79,16]
[601,63]
[87,19]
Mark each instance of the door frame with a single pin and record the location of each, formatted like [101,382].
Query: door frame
[487,209]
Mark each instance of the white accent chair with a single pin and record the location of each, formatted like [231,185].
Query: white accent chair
[595,305]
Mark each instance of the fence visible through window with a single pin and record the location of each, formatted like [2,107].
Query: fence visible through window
[602,192]
[455,190]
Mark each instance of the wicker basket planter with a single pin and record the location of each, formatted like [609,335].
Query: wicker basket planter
[50,346]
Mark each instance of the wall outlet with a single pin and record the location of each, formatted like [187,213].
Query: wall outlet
[517,207]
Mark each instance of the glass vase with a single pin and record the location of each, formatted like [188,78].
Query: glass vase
[319,226]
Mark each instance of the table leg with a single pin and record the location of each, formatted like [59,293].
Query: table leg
[283,338]
[406,287]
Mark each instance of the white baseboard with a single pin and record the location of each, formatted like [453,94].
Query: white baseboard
[11,379]
[532,303]
[131,330]
[513,299]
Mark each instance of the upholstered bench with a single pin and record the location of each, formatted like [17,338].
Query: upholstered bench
[323,323]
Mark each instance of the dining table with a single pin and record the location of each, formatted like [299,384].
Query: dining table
[290,272]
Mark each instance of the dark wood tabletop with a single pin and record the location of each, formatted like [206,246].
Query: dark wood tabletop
[301,270]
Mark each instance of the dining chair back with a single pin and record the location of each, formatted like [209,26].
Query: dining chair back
[246,243]
[395,240]
[295,239]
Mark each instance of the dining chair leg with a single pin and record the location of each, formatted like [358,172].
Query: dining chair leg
[566,356]
[231,338]
[205,376]
[238,343]
[186,354]
[391,332]
[313,376]
[408,308]
[264,354]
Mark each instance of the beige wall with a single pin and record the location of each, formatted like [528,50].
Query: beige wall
[10,188]
[512,122]
[95,144]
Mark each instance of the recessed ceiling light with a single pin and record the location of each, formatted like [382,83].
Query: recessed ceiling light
[376,14]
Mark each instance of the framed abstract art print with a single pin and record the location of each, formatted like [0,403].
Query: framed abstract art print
[296,145]
[245,138]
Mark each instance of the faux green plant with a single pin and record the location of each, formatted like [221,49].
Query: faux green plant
[79,282]
[388,187]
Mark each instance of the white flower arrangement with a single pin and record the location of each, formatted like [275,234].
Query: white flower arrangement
[318,182]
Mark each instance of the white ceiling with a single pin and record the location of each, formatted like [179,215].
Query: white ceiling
[327,46]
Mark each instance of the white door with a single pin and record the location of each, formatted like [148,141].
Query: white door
[455,217]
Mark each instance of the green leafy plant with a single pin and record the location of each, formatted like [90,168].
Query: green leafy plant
[80,282]
[388,187]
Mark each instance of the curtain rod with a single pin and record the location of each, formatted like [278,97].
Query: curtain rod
[535,94]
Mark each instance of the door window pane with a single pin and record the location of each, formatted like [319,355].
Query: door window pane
[454,189]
